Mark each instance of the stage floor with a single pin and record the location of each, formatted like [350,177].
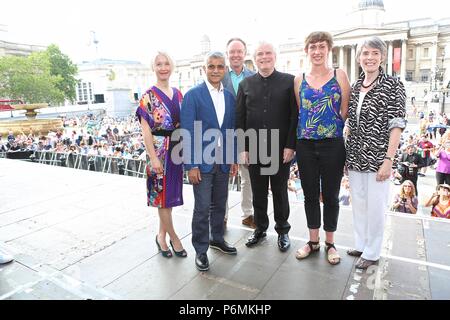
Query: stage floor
[86,235]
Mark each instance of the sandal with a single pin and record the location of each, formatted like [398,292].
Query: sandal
[333,258]
[313,246]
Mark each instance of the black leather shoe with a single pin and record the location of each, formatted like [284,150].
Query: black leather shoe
[201,262]
[255,238]
[223,246]
[283,242]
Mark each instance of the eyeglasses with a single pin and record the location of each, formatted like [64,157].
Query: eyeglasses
[407,186]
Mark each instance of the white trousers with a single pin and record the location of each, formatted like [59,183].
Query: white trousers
[369,205]
[246,194]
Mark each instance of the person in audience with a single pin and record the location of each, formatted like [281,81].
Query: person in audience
[443,164]
[345,196]
[426,147]
[406,200]
[440,202]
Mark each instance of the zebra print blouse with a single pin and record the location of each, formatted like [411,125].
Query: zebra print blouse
[382,110]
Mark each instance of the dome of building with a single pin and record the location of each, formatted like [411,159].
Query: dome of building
[370,4]
[205,44]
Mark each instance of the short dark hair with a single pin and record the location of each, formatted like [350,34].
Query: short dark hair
[319,36]
[237,39]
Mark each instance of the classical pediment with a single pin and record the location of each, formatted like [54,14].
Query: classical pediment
[367,32]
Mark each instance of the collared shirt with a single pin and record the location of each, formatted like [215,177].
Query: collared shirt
[236,79]
[218,99]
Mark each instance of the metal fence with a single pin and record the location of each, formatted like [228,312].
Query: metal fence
[114,165]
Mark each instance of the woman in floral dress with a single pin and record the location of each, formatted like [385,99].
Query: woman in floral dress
[159,115]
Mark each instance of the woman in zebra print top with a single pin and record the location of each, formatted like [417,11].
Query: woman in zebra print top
[376,119]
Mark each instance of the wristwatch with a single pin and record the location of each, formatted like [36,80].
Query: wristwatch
[389,158]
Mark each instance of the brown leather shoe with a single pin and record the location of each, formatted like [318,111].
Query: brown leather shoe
[249,222]
[363,264]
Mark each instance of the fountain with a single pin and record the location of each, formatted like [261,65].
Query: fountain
[31,124]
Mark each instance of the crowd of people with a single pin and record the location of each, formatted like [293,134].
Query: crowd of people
[418,152]
[94,135]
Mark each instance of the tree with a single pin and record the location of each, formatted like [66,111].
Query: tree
[61,65]
[42,77]
[29,79]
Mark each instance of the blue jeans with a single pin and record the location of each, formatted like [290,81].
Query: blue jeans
[210,196]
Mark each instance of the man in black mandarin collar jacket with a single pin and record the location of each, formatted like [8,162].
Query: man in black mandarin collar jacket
[266,100]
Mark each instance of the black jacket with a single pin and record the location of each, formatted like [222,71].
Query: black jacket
[268,103]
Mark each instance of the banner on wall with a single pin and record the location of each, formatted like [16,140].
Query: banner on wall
[397,59]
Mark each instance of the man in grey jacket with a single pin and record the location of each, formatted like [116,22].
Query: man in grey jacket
[236,72]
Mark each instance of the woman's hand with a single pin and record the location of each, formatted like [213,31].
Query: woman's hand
[156,166]
[409,202]
[385,171]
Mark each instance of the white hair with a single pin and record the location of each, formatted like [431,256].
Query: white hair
[372,42]
[264,43]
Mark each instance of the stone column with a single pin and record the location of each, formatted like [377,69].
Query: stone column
[403,62]
[417,67]
[341,58]
[353,65]
[330,59]
[433,54]
[389,58]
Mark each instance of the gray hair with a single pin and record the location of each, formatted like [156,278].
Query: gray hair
[214,55]
[375,43]
[263,43]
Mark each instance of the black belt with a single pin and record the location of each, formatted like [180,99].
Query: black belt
[162,133]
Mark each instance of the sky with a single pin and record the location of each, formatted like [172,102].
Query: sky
[135,29]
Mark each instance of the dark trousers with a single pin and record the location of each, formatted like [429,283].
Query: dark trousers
[321,166]
[260,188]
[209,209]
[442,178]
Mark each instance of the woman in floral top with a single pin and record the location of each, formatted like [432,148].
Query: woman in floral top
[322,96]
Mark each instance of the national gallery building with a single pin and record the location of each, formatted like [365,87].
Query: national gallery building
[418,53]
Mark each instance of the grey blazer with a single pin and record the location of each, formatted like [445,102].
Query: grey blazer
[228,84]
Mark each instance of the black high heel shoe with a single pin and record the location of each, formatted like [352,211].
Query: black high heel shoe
[165,254]
[181,254]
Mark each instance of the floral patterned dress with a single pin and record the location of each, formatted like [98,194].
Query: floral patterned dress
[163,116]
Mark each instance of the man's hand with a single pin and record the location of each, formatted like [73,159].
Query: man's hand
[194,176]
[244,158]
[234,170]
[288,155]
